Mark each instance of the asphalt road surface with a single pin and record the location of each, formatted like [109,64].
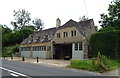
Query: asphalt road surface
[20,69]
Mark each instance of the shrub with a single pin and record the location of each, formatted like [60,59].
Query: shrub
[107,43]
[7,51]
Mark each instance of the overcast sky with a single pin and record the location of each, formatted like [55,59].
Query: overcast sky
[50,10]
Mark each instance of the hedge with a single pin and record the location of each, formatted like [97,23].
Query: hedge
[107,43]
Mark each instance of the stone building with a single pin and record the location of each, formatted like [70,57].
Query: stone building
[61,42]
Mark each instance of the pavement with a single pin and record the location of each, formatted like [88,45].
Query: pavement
[58,63]
[112,73]
[50,62]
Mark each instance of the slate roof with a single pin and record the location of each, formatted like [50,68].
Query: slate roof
[46,35]
[40,36]
[82,26]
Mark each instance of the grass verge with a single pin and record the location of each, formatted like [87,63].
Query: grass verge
[88,65]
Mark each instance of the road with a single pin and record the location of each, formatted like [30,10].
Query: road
[17,69]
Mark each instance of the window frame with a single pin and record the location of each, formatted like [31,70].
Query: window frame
[58,35]
[73,33]
[65,34]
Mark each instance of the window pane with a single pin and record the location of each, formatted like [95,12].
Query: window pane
[76,46]
[74,33]
[66,34]
[71,33]
[80,46]
[40,48]
[58,35]
[44,48]
[63,34]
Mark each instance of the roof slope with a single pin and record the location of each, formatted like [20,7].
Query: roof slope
[46,35]
[82,26]
[40,36]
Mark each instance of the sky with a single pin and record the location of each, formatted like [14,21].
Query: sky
[49,10]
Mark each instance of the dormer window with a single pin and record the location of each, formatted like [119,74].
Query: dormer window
[65,34]
[58,35]
[46,36]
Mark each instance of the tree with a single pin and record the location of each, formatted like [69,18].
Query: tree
[83,18]
[25,32]
[113,17]
[22,19]
[38,24]
[5,32]
[16,37]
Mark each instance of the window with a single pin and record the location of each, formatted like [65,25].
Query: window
[80,46]
[73,33]
[58,35]
[34,48]
[39,48]
[28,48]
[76,46]
[21,48]
[65,34]
[44,48]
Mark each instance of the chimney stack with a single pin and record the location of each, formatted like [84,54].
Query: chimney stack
[58,22]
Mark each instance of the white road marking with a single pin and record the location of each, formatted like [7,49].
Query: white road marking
[13,72]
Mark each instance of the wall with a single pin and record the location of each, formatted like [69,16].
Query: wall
[40,54]
[79,37]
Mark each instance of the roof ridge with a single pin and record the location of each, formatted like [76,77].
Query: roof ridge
[85,20]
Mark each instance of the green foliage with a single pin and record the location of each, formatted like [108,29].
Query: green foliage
[7,51]
[25,32]
[5,29]
[109,28]
[81,64]
[107,43]
[22,19]
[83,18]
[15,48]
[16,37]
[113,17]
[38,24]
[95,64]
[5,32]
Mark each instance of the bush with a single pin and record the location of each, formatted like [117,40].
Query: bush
[7,51]
[107,43]
[109,28]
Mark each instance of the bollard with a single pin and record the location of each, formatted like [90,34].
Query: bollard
[23,59]
[37,59]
